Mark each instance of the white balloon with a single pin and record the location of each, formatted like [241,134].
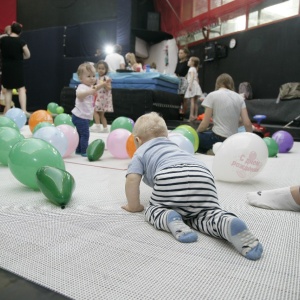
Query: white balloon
[216,147]
[240,157]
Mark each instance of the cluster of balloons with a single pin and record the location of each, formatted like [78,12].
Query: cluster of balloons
[54,108]
[28,158]
[281,142]
[60,133]
[120,141]
[186,137]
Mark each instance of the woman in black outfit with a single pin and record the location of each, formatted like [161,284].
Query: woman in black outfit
[181,71]
[13,52]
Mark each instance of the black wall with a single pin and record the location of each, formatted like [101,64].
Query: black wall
[266,57]
[52,13]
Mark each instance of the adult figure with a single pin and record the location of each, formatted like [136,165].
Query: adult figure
[115,60]
[13,51]
[132,63]
[181,71]
[227,108]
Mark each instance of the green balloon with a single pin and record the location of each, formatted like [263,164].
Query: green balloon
[41,125]
[56,184]
[28,155]
[194,133]
[8,138]
[272,145]
[7,122]
[63,119]
[121,122]
[59,110]
[52,106]
[95,150]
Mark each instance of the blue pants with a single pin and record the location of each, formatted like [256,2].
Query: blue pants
[83,129]
[207,139]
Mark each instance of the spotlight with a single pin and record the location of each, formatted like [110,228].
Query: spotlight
[108,49]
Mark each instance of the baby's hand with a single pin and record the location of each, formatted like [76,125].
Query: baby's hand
[133,210]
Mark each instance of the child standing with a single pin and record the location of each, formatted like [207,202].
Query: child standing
[193,91]
[83,111]
[184,193]
[103,100]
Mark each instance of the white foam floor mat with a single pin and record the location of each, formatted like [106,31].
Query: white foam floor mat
[93,249]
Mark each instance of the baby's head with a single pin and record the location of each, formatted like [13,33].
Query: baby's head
[149,126]
[102,67]
[225,81]
[87,73]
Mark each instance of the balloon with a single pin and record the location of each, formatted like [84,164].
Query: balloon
[56,184]
[284,140]
[188,134]
[28,155]
[130,146]
[240,157]
[116,142]
[53,136]
[95,150]
[216,147]
[41,125]
[51,107]
[63,119]
[38,117]
[194,133]
[182,142]
[18,116]
[121,122]
[7,122]
[131,121]
[59,110]
[8,138]
[72,137]
[272,146]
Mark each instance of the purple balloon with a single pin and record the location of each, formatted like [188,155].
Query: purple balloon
[284,140]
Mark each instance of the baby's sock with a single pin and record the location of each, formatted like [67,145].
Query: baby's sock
[179,229]
[274,199]
[243,240]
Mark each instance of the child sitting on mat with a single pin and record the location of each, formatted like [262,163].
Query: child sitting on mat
[184,194]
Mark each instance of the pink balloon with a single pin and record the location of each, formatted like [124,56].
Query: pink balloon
[72,136]
[116,142]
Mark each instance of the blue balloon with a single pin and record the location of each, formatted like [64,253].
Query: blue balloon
[17,115]
[53,136]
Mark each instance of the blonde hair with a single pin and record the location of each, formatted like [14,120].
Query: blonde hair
[225,81]
[130,57]
[85,67]
[149,126]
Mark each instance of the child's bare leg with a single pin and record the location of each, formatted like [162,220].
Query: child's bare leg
[287,198]
[103,121]
[97,126]
[196,107]
[192,110]
[97,117]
